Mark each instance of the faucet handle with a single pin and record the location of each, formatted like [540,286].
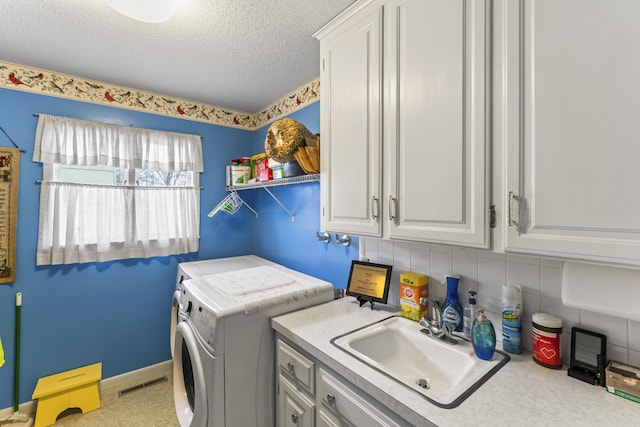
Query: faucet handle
[446,328]
[435,307]
[429,300]
[424,322]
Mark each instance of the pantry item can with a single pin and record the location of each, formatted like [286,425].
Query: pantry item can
[546,333]
[240,174]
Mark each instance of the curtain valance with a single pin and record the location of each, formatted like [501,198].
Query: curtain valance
[69,141]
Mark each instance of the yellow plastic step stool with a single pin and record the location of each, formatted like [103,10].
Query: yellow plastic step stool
[77,388]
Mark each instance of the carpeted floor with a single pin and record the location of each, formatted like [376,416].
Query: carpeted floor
[151,406]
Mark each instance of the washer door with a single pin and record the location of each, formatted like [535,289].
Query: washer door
[189,388]
[175,318]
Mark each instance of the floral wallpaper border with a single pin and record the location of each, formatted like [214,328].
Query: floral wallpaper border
[18,77]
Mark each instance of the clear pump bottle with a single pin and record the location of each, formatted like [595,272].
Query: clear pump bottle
[469,314]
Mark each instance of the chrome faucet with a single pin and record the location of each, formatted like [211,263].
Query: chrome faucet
[433,324]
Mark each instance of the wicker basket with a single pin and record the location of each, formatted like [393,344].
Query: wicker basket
[308,156]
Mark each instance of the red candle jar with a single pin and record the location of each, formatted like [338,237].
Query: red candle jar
[546,333]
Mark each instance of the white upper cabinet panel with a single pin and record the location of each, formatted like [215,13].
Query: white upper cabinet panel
[351,145]
[436,138]
[567,75]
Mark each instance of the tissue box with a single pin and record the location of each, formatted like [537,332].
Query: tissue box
[413,286]
[623,380]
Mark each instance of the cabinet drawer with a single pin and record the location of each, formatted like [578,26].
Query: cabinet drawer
[343,406]
[299,368]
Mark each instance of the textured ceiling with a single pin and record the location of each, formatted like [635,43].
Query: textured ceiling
[236,54]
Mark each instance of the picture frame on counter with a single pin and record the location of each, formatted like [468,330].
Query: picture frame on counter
[369,282]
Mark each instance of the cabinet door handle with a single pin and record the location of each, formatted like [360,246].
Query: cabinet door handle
[510,199]
[375,208]
[294,418]
[392,208]
[331,400]
[290,367]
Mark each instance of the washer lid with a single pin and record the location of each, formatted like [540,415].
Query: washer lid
[251,283]
[252,289]
[219,265]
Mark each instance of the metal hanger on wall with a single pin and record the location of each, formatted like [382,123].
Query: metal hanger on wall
[14,144]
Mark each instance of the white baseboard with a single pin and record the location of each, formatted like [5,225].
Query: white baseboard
[138,376]
[109,385]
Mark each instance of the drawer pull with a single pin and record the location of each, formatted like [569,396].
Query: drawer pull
[331,400]
[290,367]
[294,418]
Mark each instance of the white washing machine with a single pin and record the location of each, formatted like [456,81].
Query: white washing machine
[195,269]
[224,347]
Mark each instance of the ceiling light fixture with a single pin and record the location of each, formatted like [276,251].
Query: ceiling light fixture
[152,11]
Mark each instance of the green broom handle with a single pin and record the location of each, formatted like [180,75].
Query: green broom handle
[16,397]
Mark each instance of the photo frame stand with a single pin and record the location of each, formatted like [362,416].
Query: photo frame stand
[363,300]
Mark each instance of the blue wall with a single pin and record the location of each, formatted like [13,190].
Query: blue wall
[294,243]
[118,312]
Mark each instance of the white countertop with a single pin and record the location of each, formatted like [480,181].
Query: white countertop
[522,392]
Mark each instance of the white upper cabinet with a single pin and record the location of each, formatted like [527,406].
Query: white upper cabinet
[351,121]
[436,121]
[404,151]
[567,119]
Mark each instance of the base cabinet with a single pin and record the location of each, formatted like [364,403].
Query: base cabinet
[331,402]
[296,408]
[345,406]
[325,419]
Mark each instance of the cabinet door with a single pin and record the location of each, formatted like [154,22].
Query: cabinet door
[437,111]
[351,80]
[342,405]
[568,75]
[294,408]
[329,419]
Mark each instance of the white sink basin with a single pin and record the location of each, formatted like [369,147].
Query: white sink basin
[445,374]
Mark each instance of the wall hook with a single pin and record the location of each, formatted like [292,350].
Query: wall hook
[344,239]
[324,237]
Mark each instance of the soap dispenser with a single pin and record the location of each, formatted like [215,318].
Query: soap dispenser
[469,314]
[451,308]
[483,336]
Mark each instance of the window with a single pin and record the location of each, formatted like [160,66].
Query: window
[99,201]
[119,176]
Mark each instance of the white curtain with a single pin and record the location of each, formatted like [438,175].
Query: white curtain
[68,141]
[87,223]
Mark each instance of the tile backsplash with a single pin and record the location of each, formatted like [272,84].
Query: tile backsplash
[485,272]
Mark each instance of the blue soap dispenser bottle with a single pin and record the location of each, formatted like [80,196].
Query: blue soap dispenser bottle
[483,336]
[451,308]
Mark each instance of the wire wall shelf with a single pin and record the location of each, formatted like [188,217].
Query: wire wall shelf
[313,177]
[233,201]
